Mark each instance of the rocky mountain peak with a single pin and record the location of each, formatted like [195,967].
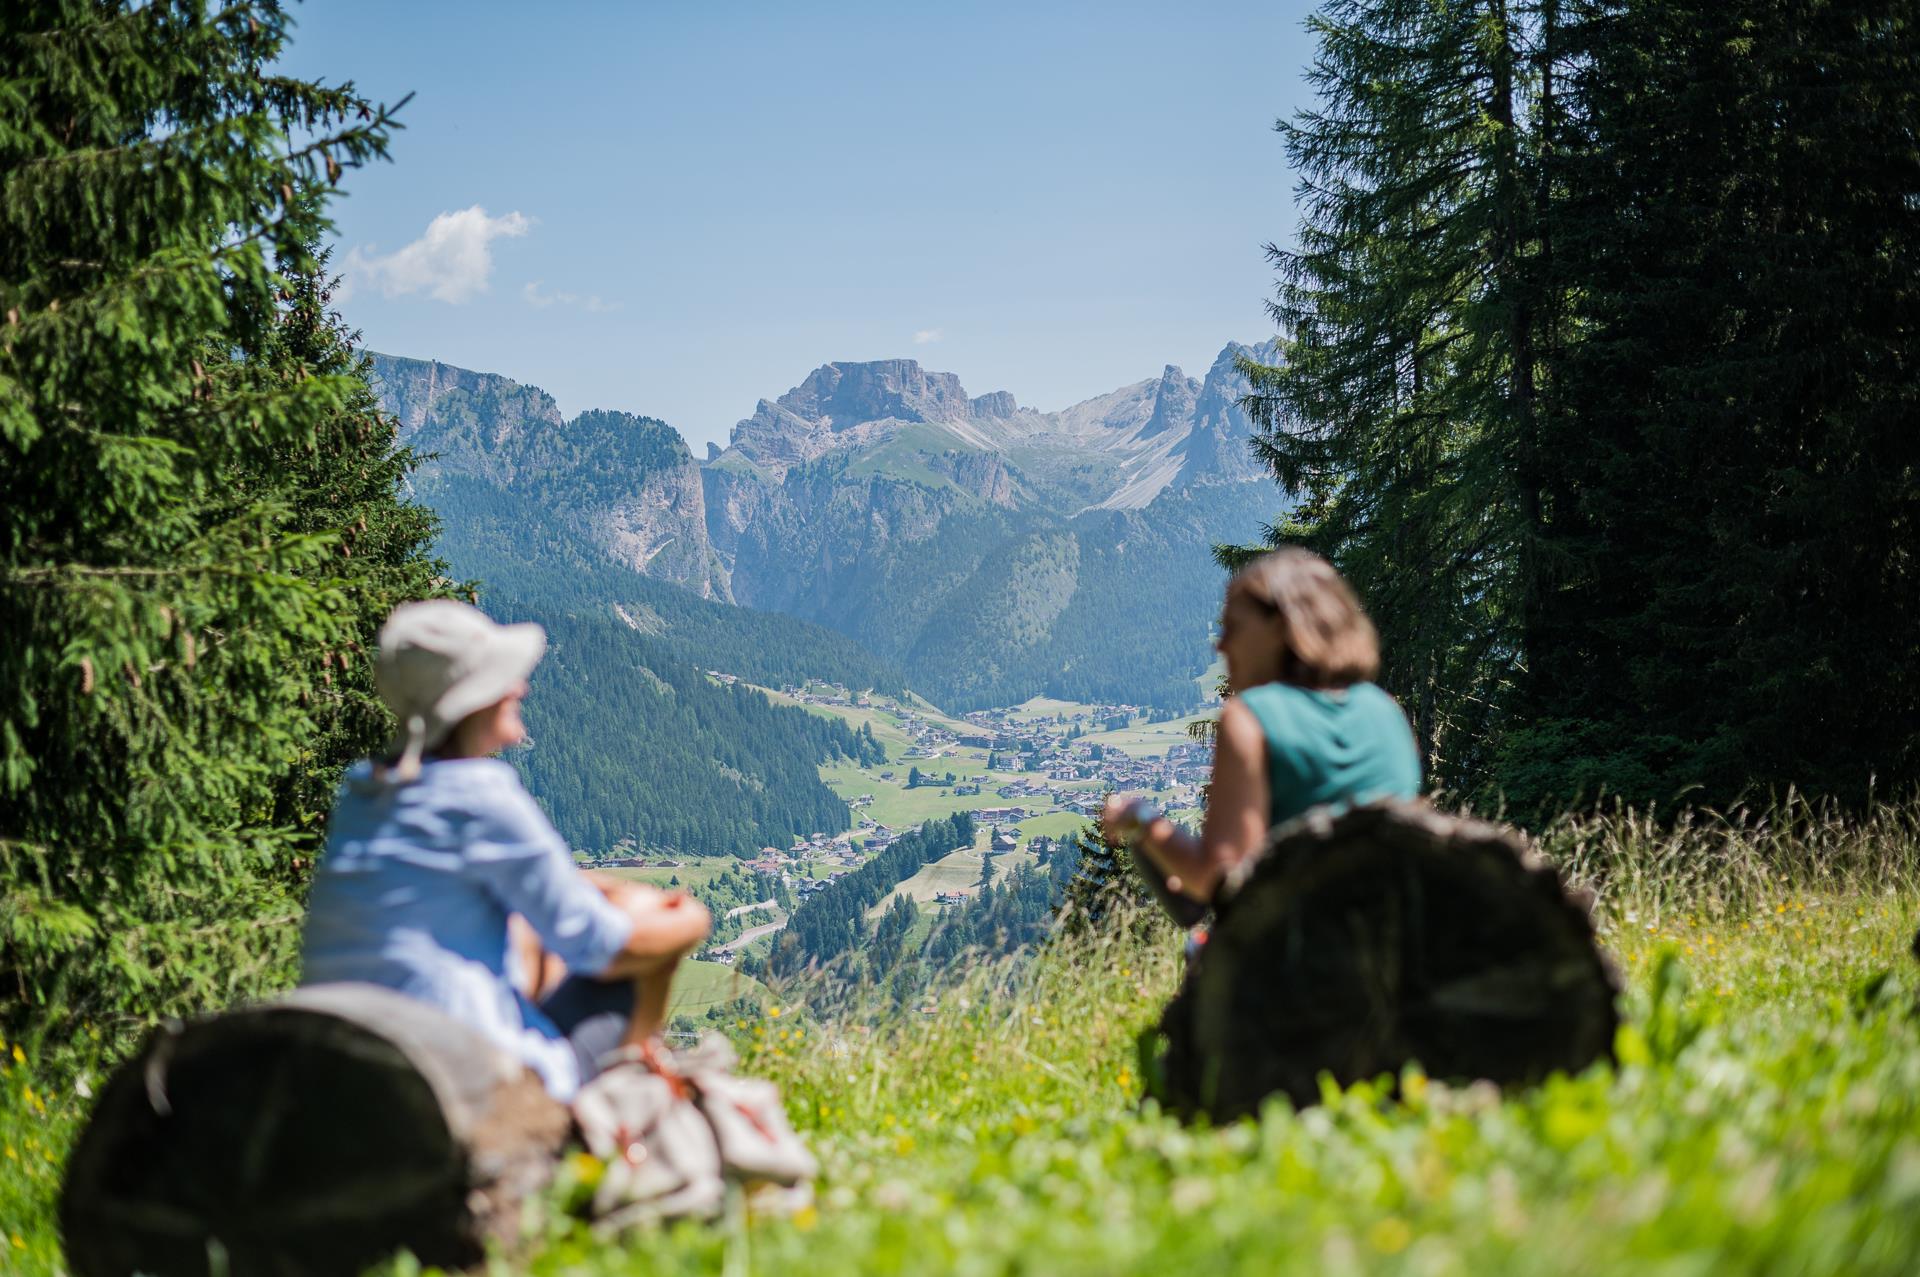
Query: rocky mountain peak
[1218,446]
[995,405]
[839,395]
[1173,401]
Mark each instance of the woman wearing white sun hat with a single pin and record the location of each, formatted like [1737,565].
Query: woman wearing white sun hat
[434,849]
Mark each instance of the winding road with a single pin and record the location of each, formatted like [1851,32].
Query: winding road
[748,936]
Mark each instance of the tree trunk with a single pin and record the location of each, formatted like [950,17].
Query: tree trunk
[307,1137]
[1389,936]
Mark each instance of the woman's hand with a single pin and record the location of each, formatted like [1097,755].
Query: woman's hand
[1116,820]
[1137,823]
[1133,820]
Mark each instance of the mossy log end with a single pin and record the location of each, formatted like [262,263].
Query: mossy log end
[1390,935]
[308,1137]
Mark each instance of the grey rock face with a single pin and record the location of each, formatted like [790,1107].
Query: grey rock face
[995,405]
[841,395]
[629,483]
[660,528]
[1173,401]
[477,420]
[1219,446]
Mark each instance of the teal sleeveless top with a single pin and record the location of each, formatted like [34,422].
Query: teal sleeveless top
[1342,747]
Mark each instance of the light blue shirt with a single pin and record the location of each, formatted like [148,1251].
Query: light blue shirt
[414,891]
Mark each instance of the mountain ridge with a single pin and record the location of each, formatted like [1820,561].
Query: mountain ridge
[967,539]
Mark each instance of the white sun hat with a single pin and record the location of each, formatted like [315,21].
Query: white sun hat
[441,660]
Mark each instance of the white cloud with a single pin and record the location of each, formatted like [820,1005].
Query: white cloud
[926,335]
[540,301]
[451,262]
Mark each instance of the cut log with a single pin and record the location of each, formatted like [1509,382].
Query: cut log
[1387,936]
[308,1137]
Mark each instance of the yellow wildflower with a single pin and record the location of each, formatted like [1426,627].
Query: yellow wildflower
[1390,1235]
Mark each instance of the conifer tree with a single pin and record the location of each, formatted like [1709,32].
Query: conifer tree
[192,489]
[1600,385]
[344,484]
[1737,601]
[1413,307]
[1102,889]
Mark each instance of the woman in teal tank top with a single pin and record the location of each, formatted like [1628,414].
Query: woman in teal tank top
[1304,726]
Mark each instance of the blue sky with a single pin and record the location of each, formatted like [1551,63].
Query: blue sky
[678,209]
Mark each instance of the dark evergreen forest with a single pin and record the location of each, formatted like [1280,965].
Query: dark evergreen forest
[631,740]
[832,922]
[1602,375]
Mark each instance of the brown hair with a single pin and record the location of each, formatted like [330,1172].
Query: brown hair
[1330,642]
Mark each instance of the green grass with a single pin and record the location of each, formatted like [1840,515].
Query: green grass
[1206,684]
[1060,824]
[699,985]
[896,806]
[884,721]
[697,871]
[908,454]
[1047,707]
[958,871]
[1146,738]
[1764,1116]
[934,714]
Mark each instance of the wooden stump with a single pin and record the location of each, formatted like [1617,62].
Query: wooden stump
[1390,935]
[306,1138]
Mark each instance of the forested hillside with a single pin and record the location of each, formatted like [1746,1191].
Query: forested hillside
[1601,383]
[832,922]
[631,740]
[1110,608]
[526,563]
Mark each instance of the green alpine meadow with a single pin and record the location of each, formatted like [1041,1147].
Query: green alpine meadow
[1761,1117]
[976,773]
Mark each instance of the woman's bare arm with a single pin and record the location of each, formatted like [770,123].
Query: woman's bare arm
[1237,812]
[667,925]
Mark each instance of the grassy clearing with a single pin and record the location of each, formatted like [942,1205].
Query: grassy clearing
[1147,738]
[957,871]
[886,724]
[897,806]
[1764,1117]
[700,985]
[1059,824]
[1047,707]
[697,871]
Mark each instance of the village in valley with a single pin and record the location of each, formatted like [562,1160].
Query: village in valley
[1031,775]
